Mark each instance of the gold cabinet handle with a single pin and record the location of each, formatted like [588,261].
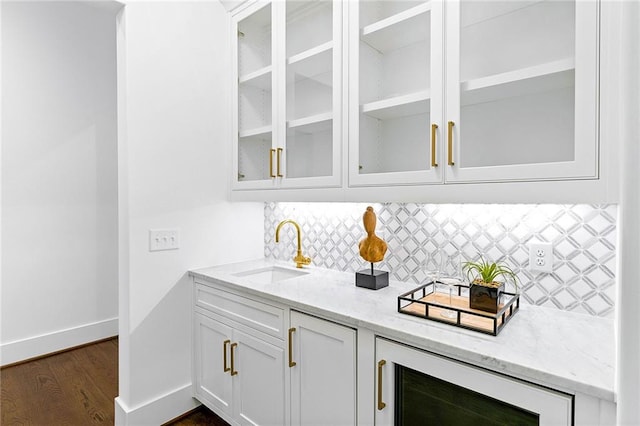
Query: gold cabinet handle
[433,145]
[278,173]
[381,404]
[450,144]
[233,371]
[292,363]
[271,152]
[224,355]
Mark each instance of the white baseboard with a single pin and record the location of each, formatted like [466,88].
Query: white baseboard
[21,350]
[157,411]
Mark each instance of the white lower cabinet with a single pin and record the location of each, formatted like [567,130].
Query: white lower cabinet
[412,383]
[323,372]
[250,371]
[212,380]
[259,382]
[239,376]
[239,357]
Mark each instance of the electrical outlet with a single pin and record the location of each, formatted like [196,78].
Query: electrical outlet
[164,239]
[541,257]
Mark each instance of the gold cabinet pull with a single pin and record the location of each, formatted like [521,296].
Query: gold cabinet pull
[233,371]
[434,163]
[381,404]
[278,173]
[450,144]
[271,152]
[224,355]
[292,363]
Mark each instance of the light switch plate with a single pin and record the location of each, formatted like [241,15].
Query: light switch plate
[541,257]
[164,239]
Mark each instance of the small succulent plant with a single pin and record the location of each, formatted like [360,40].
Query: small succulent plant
[485,273]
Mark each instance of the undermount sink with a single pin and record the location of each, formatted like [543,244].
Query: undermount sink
[271,274]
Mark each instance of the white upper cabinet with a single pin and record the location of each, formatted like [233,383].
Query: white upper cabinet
[472,91]
[395,92]
[253,112]
[412,100]
[521,90]
[288,112]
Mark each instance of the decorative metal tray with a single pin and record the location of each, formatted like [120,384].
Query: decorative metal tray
[426,302]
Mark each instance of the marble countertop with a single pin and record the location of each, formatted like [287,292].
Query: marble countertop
[554,348]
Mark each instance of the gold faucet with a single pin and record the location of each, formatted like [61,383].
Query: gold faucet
[299,259]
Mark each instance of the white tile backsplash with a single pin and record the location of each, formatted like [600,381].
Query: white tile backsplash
[583,238]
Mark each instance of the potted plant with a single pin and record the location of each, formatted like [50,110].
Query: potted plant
[484,290]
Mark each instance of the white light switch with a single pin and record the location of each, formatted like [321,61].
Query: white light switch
[164,239]
[541,257]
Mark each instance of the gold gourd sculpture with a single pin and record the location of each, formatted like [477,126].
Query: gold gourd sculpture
[372,248]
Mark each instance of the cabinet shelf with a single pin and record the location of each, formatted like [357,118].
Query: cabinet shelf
[536,79]
[399,106]
[312,124]
[483,12]
[258,131]
[311,52]
[260,78]
[311,63]
[399,30]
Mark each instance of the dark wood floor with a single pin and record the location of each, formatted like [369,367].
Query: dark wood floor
[202,416]
[76,387]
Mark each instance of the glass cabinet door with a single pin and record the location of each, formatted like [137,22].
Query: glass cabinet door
[521,90]
[253,121]
[396,92]
[312,84]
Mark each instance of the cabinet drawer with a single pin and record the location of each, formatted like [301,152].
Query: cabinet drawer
[259,316]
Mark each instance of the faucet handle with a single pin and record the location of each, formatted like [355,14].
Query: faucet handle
[301,260]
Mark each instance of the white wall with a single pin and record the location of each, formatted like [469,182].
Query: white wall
[174,166]
[59,181]
[628,368]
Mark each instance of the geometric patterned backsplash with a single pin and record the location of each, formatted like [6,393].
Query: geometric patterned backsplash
[583,237]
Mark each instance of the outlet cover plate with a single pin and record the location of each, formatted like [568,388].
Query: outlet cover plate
[164,239]
[541,257]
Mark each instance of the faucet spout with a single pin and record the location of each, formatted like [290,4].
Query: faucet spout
[299,258]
